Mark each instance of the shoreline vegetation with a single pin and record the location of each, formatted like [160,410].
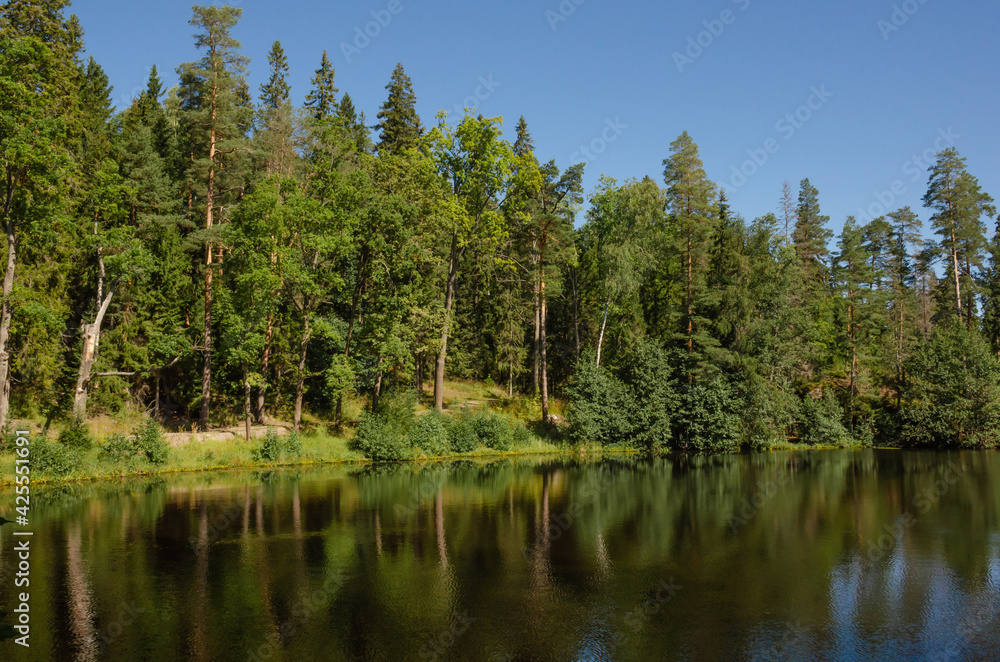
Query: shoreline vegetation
[238,257]
[102,451]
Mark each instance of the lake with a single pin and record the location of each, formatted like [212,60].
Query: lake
[812,555]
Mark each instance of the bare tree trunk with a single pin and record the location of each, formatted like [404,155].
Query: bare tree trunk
[91,343]
[544,355]
[954,260]
[854,358]
[268,335]
[535,346]
[576,316]
[301,381]
[604,323]
[350,334]
[5,312]
[449,297]
[206,373]
[246,402]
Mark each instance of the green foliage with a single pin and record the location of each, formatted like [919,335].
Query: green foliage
[53,459]
[77,436]
[708,420]
[147,443]
[952,393]
[120,449]
[274,447]
[599,405]
[381,439]
[461,433]
[821,421]
[430,435]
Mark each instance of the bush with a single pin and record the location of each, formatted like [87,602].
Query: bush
[118,448]
[821,421]
[146,443]
[709,418]
[150,441]
[653,397]
[76,436]
[599,405]
[53,459]
[492,430]
[381,439]
[951,395]
[274,447]
[430,435]
[461,433]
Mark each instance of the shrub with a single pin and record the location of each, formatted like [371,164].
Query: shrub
[653,397]
[380,439]
[118,448]
[709,418]
[952,392]
[821,421]
[76,436]
[273,447]
[52,458]
[461,434]
[430,435]
[150,441]
[599,405]
[492,430]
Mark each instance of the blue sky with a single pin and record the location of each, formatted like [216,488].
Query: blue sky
[887,81]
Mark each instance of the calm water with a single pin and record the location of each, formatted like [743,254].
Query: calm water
[832,555]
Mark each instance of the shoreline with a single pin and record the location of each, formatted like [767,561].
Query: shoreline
[594,452]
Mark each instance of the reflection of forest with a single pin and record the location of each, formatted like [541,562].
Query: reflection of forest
[552,559]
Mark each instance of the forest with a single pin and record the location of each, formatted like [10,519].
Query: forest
[215,254]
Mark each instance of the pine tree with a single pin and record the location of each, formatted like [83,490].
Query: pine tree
[811,234]
[398,123]
[690,202]
[214,98]
[958,204]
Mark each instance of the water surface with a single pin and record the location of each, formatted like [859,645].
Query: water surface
[826,555]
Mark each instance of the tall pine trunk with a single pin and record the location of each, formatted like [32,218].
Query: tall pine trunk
[5,312]
[206,373]
[543,353]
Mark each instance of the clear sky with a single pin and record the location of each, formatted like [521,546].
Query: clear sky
[887,80]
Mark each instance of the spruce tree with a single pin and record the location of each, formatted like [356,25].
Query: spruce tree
[398,123]
[811,234]
[322,98]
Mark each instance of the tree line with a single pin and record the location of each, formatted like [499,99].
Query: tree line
[213,252]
